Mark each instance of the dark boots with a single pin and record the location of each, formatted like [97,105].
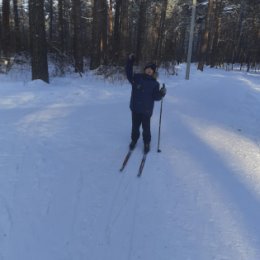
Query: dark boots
[146,148]
[132,145]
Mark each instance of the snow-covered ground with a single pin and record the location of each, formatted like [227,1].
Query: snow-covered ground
[62,196]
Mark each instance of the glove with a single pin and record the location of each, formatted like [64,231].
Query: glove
[163,91]
[131,57]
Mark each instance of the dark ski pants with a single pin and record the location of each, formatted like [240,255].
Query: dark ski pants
[137,121]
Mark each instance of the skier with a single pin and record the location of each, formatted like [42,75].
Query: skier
[145,90]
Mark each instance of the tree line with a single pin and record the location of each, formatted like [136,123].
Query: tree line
[94,33]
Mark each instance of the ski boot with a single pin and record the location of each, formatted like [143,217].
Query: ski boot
[132,145]
[146,148]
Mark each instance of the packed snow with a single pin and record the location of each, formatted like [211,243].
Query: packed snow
[62,196]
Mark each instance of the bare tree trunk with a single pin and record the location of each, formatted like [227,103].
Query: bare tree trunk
[6,28]
[124,32]
[99,34]
[213,56]
[61,26]
[116,36]
[104,32]
[110,14]
[25,34]
[78,53]
[205,37]
[51,21]
[110,29]
[95,50]
[0,34]
[161,31]
[38,40]
[257,36]
[17,26]
[141,34]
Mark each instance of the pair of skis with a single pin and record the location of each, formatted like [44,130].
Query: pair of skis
[141,166]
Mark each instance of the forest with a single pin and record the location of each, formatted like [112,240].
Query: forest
[96,34]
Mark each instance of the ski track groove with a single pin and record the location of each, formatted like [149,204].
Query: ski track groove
[133,225]
[6,223]
[79,188]
[120,199]
[111,220]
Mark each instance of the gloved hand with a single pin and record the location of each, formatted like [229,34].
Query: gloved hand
[163,91]
[131,57]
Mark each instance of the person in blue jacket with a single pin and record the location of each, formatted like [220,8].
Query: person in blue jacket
[145,90]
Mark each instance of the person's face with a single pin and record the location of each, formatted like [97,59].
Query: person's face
[149,71]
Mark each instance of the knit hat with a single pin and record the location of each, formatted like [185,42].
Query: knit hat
[151,66]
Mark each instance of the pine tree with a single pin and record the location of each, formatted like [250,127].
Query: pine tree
[78,48]
[6,33]
[99,34]
[38,40]
[17,26]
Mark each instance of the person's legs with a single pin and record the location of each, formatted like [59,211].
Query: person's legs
[146,129]
[136,123]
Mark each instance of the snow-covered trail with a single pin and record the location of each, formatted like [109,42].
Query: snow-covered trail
[62,196]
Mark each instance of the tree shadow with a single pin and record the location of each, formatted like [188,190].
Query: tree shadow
[240,198]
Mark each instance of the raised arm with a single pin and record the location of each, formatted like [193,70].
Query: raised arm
[129,68]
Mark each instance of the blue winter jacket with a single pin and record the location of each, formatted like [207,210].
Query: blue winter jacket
[145,90]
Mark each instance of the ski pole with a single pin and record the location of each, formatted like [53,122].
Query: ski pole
[160,122]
